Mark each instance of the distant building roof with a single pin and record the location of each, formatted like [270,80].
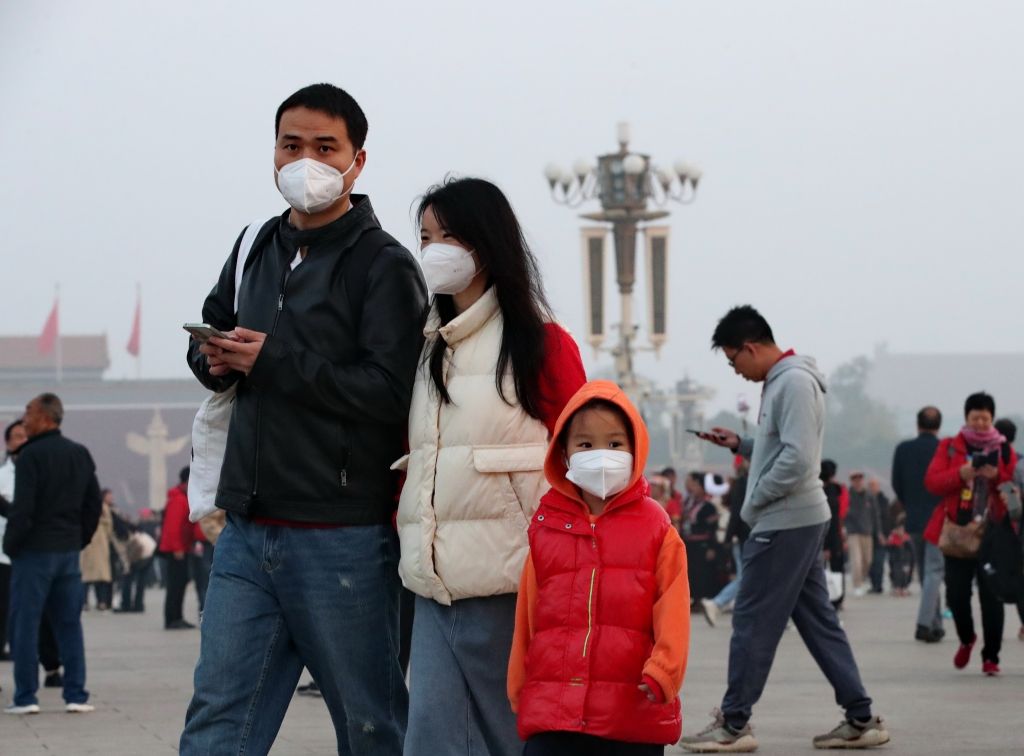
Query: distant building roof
[81,357]
[907,382]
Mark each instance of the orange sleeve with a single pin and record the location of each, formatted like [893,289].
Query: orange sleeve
[667,664]
[525,604]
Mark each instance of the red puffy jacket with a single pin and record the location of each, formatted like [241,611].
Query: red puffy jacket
[593,629]
[943,479]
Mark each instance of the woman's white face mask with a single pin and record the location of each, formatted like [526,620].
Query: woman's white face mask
[601,472]
[447,268]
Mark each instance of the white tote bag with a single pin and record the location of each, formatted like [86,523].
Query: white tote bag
[834,580]
[210,428]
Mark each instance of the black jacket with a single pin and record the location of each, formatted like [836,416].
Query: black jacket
[322,416]
[56,503]
[909,464]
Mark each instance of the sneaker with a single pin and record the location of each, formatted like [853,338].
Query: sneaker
[928,634]
[26,709]
[312,690]
[854,735]
[990,668]
[963,654]
[179,625]
[718,737]
[53,680]
[710,611]
[860,592]
[79,708]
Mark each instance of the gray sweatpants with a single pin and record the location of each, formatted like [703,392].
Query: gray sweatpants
[929,614]
[783,577]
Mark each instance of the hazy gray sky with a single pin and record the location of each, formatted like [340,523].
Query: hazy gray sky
[862,161]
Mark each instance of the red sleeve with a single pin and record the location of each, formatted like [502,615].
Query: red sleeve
[844,502]
[943,476]
[562,373]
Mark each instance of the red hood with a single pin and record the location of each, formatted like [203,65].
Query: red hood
[555,467]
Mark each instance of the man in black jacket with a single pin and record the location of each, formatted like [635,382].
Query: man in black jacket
[909,465]
[322,351]
[54,514]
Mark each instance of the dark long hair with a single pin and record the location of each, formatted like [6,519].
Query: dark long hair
[479,216]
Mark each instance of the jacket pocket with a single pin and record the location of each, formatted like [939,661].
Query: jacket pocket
[522,467]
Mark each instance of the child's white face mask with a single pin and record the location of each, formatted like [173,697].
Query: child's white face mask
[601,472]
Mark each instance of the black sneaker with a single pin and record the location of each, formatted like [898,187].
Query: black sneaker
[53,680]
[179,625]
[312,690]
[929,634]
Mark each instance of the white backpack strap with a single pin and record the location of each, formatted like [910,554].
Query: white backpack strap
[244,248]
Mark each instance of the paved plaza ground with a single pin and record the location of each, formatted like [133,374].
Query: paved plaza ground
[140,677]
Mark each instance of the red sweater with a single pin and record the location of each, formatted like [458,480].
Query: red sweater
[176,534]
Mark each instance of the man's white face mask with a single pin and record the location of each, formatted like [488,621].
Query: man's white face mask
[601,472]
[311,186]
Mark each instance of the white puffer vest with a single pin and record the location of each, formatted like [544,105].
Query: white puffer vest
[475,471]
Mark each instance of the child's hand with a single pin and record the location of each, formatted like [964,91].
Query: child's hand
[646,690]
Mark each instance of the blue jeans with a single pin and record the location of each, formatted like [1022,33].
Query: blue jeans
[282,598]
[728,594]
[459,672]
[783,577]
[50,582]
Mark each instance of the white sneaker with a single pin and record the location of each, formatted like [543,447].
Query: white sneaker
[26,709]
[710,611]
[79,708]
[860,592]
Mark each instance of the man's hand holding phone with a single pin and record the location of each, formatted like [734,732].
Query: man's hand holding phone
[238,350]
[720,437]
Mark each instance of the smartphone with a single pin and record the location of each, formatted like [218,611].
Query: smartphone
[979,459]
[202,332]
[703,435]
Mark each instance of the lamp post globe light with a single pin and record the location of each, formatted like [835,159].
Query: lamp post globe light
[631,190]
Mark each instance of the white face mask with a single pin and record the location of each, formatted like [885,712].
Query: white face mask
[311,186]
[601,472]
[447,268]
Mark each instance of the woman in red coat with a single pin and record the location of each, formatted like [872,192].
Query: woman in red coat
[966,472]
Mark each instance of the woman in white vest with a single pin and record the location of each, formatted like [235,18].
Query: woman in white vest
[495,374]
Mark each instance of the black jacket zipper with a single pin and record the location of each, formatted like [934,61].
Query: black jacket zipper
[259,402]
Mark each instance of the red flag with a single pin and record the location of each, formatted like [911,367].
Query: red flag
[134,340]
[48,338]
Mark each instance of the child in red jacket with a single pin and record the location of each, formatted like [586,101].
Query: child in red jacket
[602,621]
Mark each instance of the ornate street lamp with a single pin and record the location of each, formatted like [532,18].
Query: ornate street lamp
[626,184]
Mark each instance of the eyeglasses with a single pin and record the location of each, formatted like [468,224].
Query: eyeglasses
[732,360]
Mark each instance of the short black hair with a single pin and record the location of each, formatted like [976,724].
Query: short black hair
[828,470]
[52,406]
[668,471]
[1008,428]
[741,325]
[10,428]
[698,478]
[332,100]
[183,474]
[929,419]
[980,401]
[598,403]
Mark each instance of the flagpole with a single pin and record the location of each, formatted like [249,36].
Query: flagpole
[59,355]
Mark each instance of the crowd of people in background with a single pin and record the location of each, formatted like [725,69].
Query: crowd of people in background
[970,479]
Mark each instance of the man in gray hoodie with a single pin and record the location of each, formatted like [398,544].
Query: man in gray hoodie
[788,513]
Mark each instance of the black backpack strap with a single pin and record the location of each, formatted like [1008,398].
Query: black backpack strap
[357,267]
